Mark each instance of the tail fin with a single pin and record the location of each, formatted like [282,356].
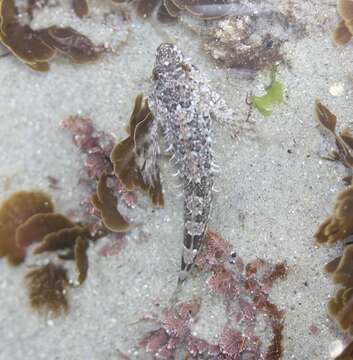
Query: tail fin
[196,216]
[191,248]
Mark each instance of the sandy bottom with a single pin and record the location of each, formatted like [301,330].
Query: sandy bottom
[272,193]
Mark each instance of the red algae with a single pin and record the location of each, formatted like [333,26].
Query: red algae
[245,290]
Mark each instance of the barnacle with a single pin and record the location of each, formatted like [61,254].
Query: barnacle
[81,258]
[341,268]
[105,201]
[128,154]
[341,309]
[240,42]
[340,225]
[47,289]
[274,95]
[13,212]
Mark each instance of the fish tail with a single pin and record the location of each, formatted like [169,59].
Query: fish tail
[191,248]
[197,206]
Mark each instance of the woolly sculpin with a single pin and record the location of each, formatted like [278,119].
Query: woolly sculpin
[184,106]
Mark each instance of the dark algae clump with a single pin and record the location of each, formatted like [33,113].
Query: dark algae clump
[37,47]
[17,209]
[338,227]
[47,286]
[38,226]
[28,218]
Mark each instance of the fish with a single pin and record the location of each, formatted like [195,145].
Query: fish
[178,101]
[184,107]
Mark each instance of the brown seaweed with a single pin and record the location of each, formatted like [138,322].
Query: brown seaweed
[341,309]
[60,240]
[169,10]
[342,34]
[163,14]
[21,40]
[105,201]
[325,116]
[38,226]
[37,47]
[27,218]
[13,212]
[81,259]
[80,7]
[127,153]
[145,8]
[331,266]
[344,30]
[344,140]
[47,289]
[345,9]
[68,254]
[71,43]
[341,269]
[340,225]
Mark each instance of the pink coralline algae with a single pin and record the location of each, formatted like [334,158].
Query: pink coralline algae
[114,246]
[245,291]
[97,147]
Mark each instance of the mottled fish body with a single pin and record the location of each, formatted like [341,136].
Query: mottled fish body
[181,102]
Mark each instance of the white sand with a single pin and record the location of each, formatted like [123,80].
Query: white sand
[270,202]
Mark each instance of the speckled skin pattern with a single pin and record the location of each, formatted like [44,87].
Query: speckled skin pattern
[181,102]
